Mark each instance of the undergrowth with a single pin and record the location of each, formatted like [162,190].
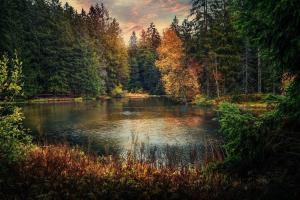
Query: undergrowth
[61,172]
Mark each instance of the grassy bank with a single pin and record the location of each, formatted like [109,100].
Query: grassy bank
[78,99]
[252,101]
[59,172]
[56,100]
[137,95]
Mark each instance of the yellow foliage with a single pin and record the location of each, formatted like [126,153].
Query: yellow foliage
[179,78]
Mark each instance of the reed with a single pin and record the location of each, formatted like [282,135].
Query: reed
[63,172]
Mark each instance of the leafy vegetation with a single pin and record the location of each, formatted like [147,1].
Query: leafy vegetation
[243,143]
[201,100]
[13,139]
[61,172]
[179,77]
[144,76]
[268,143]
[117,91]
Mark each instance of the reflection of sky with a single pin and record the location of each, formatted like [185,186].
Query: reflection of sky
[114,123]
[134,15]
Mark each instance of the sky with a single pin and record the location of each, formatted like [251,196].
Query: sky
[134,15]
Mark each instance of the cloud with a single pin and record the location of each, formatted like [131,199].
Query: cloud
[134,15]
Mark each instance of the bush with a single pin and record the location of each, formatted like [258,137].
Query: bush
[117,92]
[270,140]
[272,98]
[13,140]
[239,98]
[58,172]
[242,138]
[201,100]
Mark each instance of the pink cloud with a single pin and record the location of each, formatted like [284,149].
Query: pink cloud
[174,6]
[134,15]
[135,28]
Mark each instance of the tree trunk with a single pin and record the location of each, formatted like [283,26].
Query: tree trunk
[246,68]
[216,74]
[258,72]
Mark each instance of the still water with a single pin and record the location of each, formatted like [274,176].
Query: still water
[113,126]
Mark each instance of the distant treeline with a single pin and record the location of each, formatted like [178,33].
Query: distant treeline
[208,45]
[68,53]
[63,52]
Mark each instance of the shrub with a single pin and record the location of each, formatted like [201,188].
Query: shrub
[242,139]
[59,172]
[201,100]
[117,92]
[238,98]
[272,98]
[13,140]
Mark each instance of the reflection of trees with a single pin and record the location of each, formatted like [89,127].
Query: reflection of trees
[35,120]
[189,121]
[105,127]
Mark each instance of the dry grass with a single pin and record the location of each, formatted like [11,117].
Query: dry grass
[59,172]
[56,100]
[137,95]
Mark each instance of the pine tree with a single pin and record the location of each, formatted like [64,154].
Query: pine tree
[152,36]
[134,81]
[175,26]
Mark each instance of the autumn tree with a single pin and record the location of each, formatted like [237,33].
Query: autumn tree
[179,78]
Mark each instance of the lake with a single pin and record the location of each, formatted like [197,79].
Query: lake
[153,125]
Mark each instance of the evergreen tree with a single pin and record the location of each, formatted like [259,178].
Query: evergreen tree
[175,26]
[134,81]
[153,37]
[63,52]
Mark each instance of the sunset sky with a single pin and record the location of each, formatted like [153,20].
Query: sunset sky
[134,15]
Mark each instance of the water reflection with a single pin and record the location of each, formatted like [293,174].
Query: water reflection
[108,127]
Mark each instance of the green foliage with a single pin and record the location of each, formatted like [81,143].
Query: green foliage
[10,77]
[64,52]
[117,92]
[274,28]
[12,136]
[201,100]
[256,97]
[272,98]
[269,141]
[242,138]
[142,56]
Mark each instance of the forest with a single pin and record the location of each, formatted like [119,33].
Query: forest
[224,56]
[69,53]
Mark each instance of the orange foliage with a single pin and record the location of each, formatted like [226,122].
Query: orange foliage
[59,172]
[178,75]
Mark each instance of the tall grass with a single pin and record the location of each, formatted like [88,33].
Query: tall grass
[61,172]
[174,156]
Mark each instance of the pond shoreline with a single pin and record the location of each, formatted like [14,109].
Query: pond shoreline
[58,99]
[204,102]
